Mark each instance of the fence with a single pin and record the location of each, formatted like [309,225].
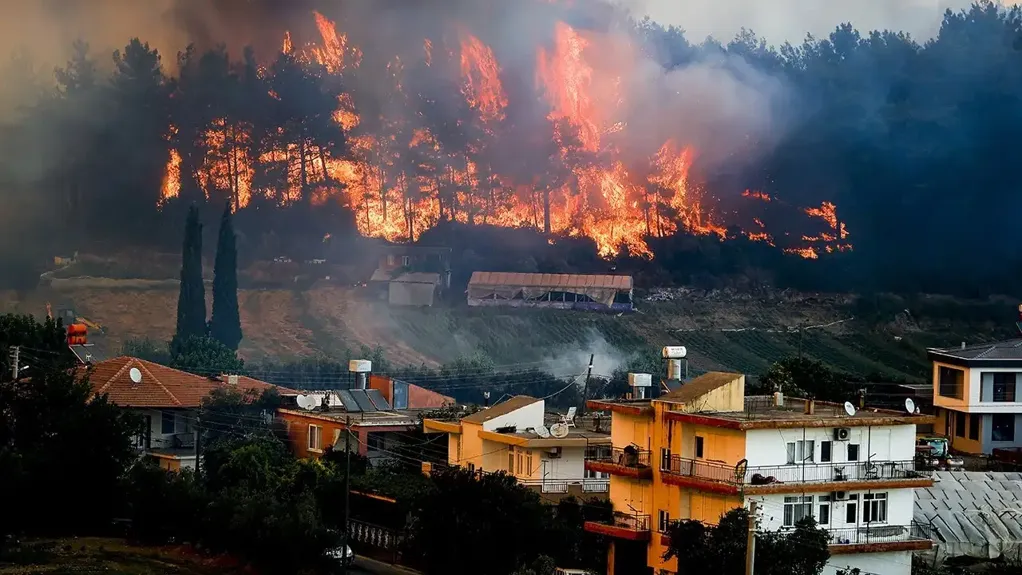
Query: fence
[879,534]
[792,473]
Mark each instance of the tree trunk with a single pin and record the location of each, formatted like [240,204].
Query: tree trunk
[546,210]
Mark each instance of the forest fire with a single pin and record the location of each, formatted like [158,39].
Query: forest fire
[400,176]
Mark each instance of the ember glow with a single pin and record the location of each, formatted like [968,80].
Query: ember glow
[400,179]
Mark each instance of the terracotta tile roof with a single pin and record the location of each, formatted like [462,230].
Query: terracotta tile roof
[161,386]
[700,386]
[516,402]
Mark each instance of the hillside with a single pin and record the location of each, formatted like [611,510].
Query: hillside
[722,330]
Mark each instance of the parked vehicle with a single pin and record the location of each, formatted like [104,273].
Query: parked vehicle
[341,555]
[934,453]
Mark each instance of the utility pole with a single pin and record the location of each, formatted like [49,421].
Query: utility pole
[750,546]
[347,493]
[585,389]
[198,442]
[15,357]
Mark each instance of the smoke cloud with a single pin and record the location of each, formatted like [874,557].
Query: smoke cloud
[782,21]
[574,360]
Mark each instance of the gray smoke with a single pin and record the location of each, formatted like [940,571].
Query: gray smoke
[573,360]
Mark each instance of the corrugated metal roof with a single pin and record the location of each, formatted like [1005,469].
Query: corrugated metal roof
[976,514]
[511,279]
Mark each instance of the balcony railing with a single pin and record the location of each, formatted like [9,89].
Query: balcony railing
[793,473]
[631,521]
[623,456]
[878,533]
[563,485]
[596,486]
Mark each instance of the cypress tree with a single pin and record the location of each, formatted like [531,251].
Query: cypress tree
[225,325]
[191,301]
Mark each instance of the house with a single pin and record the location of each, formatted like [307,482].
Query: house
[515,437]
[560,291]
[705,448]
[411,275]
[974,395]
[383,418]
[168,401]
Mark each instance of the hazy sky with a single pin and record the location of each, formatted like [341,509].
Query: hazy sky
[790,20]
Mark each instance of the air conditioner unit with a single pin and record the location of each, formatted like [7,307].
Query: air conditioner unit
[554,453]
[839,495]
[842,433]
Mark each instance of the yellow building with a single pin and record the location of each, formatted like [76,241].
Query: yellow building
[518,437]
[705,448]
[974,395]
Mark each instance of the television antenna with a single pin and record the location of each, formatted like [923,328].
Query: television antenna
[849,408]
[910,406]
[543,432]
[135,374]
[559,430]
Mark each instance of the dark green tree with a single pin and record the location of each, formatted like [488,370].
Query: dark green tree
[702,548]
[39,414]
[225,323]
[191,300]
[806,377]
[203,355]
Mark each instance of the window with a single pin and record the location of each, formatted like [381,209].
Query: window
[405,260]
[825,447]
[1004,387]
[960,424]
[874,508]
[950,382]
[699,447]
[166,422]
[797,508]
[853,452]
[665,459]
[1002,427]
[850,508]
[663,521]
[528,463]
[337,435]
[801,451]
[823,518]
[315,438]
[375,441]
[590,474]
[511,459]
[974,426]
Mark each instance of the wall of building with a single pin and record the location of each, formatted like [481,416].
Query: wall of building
[524,417]
[986,432]
[768,447]
[184,422]
[900,505]
[570,465]
[986,391]
[628,429]
[960,437]
[894,563]
[298,433]
[970,382]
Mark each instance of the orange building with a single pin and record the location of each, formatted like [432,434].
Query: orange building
[384,419]
[704,448]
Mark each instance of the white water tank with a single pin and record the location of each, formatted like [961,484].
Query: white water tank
[360,366]
[675,352]
[640,384]
[674,370]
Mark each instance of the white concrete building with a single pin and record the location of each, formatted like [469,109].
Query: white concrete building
[515,437]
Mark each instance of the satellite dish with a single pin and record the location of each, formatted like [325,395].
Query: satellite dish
[559,430]
[302,401]
[849,408]
[910,406]
[135,374]
[542,431]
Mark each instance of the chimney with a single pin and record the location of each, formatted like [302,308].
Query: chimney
[486,399]
[361,369]
[640,384]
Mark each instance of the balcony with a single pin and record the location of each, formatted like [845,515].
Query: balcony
[628,461]
[725,478]
[557,489]
[879,538]
[630,526]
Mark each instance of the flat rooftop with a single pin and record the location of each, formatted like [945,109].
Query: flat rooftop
[403,417]
[762,412]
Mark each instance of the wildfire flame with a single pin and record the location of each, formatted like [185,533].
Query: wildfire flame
[598,194]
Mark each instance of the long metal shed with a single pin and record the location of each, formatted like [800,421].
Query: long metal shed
[550,290]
